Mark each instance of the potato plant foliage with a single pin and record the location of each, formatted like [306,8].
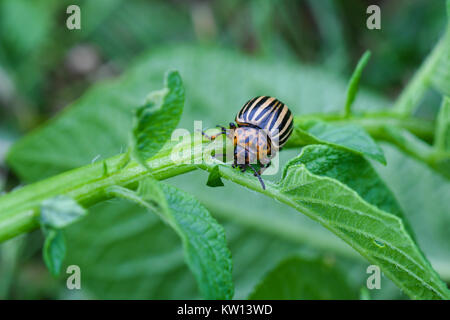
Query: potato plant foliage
[344,186]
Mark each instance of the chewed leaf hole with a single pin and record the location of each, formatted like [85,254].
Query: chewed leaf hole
[379,243]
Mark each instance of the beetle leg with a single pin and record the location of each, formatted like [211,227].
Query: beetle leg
[247,156]
[258,176]
[224,130]
[213,137]
[256,173]
[264,167]
[234,165]
[232,125]
[207,137]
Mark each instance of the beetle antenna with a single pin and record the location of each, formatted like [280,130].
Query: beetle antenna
[259,177]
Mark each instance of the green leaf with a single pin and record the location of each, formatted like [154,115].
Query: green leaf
[379,236]
[442,134]
[140,257]
[440,78]
[353,171]
[153,24]
[440,153]
[129,259]
[435,158]
[352,88]
[136,254]
[99,123]
[157,118]
[28,28]
[214,178]
[424,197]
[344,136]
[56,214]
[54,251]
[203,238]
[433,73]
[60,211]
[297,278]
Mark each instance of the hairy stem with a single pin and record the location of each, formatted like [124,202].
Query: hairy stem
[376,122]
[89,185]
[413,136]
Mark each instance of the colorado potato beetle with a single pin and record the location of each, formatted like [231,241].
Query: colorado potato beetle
[262,127]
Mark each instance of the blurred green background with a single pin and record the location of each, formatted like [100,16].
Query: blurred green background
[226,51]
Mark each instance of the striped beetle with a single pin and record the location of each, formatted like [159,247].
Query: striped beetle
[263,126]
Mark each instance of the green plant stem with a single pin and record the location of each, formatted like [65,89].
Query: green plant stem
[352,88]
[421,81]
[380,125]
[89,185]
[375,123]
